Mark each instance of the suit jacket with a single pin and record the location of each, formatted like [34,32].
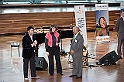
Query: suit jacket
[119,26]
[77,46]
[28,50]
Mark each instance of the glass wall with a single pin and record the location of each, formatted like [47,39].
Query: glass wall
[57,1]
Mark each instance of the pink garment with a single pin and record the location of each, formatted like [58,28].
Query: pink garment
[49,37]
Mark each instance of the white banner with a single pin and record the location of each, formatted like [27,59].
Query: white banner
[81,20]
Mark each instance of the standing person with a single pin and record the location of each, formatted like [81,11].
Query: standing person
[52,40]
[119,26]
[76,51]
[28,43]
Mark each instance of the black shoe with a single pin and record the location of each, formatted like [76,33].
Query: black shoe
[51,74]
[72,75]
[60,73]
[35,77]
[78,77]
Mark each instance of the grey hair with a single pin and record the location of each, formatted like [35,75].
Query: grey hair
[77,28]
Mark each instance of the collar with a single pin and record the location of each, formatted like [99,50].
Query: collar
[31,36]
[122,18]
[76,34]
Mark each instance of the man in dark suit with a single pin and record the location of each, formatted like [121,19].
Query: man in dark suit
[28,53]
[119,26]
[76,51]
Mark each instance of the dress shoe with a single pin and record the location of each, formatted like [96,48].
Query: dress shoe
[51,74]
[78,77]
[26,78]
[72,75]
[35,77]
[60,73]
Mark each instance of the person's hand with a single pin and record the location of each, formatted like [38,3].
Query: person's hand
[47,53]
[72,51]
[57,44]
[34,43]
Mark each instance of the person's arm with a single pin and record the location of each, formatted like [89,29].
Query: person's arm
[35,41]
[117,25]
[59,39]
[107,31]
[57,43]
[46,44]
[98,32]
[26,43]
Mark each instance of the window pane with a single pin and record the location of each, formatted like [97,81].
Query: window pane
[62,1]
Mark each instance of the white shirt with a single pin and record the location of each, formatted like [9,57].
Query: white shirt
[122,18]
[75,35]
[31,38]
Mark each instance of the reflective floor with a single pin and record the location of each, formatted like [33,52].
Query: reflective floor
[11,67]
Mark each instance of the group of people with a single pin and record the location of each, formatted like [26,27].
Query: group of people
[52,40]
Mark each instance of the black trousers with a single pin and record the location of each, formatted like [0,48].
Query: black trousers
[32,67]
[54,51]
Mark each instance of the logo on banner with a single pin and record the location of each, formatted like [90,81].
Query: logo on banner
[122,5]
[101,6]
[102,39]
[122,8]
[79,11]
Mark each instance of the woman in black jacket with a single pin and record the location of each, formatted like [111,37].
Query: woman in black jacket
[52,40]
